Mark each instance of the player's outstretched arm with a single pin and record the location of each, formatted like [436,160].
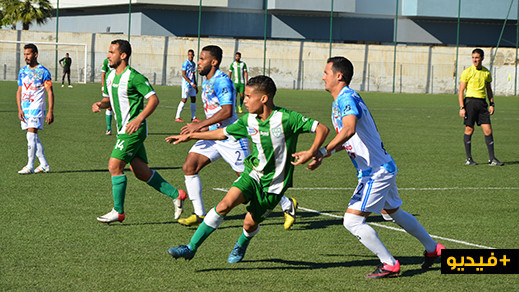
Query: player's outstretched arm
[217,134]
[224,113]
[349,125]
[321,132]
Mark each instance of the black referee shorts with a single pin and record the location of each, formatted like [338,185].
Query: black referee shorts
[66,70]
[476,111]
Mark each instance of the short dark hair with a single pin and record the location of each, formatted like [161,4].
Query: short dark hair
[263,84]
[342,65]
[479,51]
[238,53]
[124,47]
[32,47]
[215,51]
[191,51]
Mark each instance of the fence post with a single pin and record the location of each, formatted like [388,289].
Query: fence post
[432,79]
[400,78]
[369,67]
[302,75]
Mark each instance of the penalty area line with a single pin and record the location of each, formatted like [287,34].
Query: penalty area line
[380,225]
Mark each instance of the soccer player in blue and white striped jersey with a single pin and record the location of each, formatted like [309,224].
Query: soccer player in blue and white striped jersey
[376,190]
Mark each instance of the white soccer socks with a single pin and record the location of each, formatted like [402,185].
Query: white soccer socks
[35,148]
[368,237]
[285,204]
[31,148]
[39,152]
[413,227]
[194,192]
[179,109]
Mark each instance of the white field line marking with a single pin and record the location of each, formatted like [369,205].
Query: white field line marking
[377,224]
[399,229]
[418,189]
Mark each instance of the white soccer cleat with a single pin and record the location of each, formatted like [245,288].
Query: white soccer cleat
[42,168]
[179,203]
[110,217]
[26,170]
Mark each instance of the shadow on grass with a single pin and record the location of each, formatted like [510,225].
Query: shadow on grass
[304,265]
[106,170]
[236,221]
[510,162]
[138,224]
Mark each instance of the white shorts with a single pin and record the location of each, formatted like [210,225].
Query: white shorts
[233,152]
[376,192]
[32,122]
[188,91]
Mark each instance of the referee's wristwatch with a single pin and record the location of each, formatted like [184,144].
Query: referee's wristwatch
[492,104]
[462,107]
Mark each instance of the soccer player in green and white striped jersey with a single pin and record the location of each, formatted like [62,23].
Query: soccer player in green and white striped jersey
[124,91]
[238,74]
[268,170]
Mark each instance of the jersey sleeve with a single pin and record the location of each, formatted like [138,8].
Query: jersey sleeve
[224,89]
[20,74]
[105,67]
[143,86]
[184,66]
[105,87]
[302,124]
[238,129]
[489,78]
[464,76]
[46,78]
[348,106]
[244,67]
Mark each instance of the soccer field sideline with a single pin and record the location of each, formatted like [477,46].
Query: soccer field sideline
[394,228]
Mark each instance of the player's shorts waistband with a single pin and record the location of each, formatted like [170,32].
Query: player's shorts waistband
[475,97]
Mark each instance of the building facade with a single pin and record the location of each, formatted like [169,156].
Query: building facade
[354,21]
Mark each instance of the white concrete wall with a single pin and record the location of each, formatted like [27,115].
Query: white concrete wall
[292,64]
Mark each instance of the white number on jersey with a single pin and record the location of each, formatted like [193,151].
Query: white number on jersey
[119,144]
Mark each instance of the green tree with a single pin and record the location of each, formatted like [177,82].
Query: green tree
[26,11]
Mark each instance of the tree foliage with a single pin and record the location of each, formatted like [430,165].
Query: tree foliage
[25,11]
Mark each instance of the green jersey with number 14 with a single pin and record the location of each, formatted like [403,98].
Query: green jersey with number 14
[127,93]
[274,140]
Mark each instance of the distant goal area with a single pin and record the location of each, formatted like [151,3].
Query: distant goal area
[49,54]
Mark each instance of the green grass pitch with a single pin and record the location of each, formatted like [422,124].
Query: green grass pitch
[50,239]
